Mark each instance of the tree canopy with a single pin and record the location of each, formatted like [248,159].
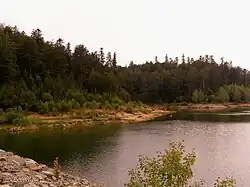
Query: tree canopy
[35,70]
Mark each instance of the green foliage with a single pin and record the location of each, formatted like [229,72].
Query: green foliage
[222,95]
[14,115]
[198,96]
[76,95]
[245,92]
[227,182]
[66,106]
[48,76]
[92,104]
[17,116]
[46,97]
[173,168]
[234,92]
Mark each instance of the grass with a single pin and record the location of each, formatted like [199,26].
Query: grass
[18,117]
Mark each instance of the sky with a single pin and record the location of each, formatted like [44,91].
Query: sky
[139,30]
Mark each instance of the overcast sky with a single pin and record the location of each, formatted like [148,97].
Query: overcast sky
[139,30]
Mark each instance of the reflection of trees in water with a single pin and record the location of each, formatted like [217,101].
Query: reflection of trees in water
[44,146]
[213,117]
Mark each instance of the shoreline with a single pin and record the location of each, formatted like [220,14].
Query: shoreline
[85,117]
[208,107]
[88,117]
[18,171]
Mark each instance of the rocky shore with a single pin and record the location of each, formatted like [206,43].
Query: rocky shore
[16,171]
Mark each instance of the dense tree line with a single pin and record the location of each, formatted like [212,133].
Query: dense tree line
[34,72]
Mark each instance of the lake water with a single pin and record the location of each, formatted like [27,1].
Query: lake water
[105,153]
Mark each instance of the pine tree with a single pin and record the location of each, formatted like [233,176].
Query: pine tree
[114,61]
[109,59]
[183,59]
[101,56]
[166,59]
[156,59]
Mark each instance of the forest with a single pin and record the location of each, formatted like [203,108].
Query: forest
[44,76]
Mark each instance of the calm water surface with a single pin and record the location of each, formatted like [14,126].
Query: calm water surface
[105,153]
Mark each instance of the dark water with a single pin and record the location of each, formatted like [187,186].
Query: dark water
[105,153]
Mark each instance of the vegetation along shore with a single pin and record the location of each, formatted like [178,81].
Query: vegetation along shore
[48,82]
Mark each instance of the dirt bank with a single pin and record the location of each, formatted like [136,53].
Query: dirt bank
[209,107]
[88,117]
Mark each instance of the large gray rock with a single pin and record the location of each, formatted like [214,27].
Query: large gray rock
[17,159]
[30,163]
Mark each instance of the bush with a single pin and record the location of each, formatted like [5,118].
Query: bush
[76,95]
[47,97]
[107,105]
[75,104]
[42,107]
[198,96]
[222,96]
[92,104]
[173,168]
[26,121]
[66,106]
[17,116]
[116,100]
[13,115]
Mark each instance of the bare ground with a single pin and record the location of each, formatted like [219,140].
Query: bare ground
[88,117]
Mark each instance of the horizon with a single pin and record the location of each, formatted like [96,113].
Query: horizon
[139,32]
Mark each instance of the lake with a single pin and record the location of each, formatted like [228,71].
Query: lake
[104,153]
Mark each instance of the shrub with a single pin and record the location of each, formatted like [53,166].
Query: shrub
[26,121]
[222,95]
[75,104]
[173,168]
[66,106]
[47,97]
[42,107]
[58,106]
[107,105]
[198,96]
[76,95]
[116,100]
[92,104]
[13,115]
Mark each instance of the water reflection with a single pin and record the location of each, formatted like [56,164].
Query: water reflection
[105,153]
[243,116]
[45,145]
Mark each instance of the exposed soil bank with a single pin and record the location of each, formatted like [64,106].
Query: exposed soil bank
[88,117]
[209,107]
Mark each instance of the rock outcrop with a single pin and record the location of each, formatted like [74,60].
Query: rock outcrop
[24,172]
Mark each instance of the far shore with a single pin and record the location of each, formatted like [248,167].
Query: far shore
[208,107]
[88,117]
